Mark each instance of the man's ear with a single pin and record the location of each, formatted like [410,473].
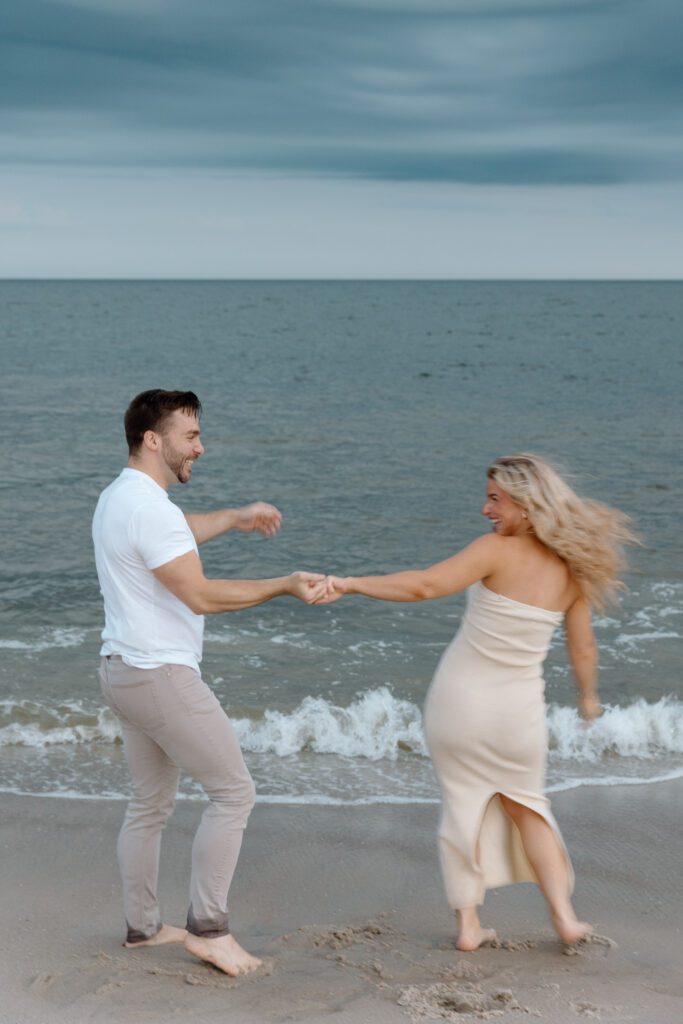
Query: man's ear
[151,440]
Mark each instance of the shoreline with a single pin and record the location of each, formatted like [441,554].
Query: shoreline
[346,906]
[320,800]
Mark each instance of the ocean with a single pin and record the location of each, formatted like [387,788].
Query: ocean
[368,412]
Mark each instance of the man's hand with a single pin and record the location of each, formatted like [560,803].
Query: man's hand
[309,587]
[258,516]
[335,586]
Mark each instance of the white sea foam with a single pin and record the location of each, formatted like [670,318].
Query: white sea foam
[376,726]
[632,638]
[382,647]
[298,799]
[46,640]
[666,589]
[641,730]
[324,800]
[577,782]
[28,723]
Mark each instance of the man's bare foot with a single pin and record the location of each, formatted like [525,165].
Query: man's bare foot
[225,953]
[472,938]
[570,930]
[167,933]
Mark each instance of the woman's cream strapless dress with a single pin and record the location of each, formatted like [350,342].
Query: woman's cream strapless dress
[486,732]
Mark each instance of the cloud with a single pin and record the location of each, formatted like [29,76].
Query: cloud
[479,92]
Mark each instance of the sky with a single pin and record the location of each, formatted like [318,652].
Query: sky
[341,139]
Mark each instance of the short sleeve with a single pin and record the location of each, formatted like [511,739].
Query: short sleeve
[159,533]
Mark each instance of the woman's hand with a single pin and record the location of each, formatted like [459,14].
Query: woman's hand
[335,587]
[590,708]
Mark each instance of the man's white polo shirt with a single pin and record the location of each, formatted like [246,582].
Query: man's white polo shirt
[137,528]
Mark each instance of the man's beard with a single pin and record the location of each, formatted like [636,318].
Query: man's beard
[175,462]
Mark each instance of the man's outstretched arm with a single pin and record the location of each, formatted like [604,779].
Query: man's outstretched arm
[260,516]
[184,577]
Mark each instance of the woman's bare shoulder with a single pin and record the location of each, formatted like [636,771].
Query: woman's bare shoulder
[491,544]
[527,570]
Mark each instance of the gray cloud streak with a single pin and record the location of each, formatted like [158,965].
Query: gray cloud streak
[517,93]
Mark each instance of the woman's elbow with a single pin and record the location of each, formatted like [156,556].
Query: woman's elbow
[585,651]
[425,590]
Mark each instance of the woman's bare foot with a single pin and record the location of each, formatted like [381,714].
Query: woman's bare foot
[471,935]
[225,953]
[570,930]
[167,933]
[472,938]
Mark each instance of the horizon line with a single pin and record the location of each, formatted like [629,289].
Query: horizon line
[343,280]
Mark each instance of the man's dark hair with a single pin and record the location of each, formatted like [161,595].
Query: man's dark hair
[150,409]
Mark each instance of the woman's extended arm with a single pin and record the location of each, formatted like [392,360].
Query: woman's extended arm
[473,563]
[583,654]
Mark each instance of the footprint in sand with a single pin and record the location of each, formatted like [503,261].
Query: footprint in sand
[450,1002]
[462,970]
[591,944]
[339,937]
[109,986]
[512,946]
[585,1009]
[42,982]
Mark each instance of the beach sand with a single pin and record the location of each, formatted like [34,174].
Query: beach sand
[345,906]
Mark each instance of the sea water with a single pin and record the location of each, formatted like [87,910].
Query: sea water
[368,412]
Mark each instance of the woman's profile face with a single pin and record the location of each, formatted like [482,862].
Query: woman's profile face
[505,515]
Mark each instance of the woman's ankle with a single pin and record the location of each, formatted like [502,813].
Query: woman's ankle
[468,917]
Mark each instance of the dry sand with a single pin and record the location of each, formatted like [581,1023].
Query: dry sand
[346,908]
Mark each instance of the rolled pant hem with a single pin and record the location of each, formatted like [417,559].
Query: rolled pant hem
[204,928]
[133,935]
[214,933]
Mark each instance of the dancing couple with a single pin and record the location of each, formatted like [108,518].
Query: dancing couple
[549,559]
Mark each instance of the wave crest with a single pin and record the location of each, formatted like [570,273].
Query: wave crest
[640,730]
[26,723]
[377,725]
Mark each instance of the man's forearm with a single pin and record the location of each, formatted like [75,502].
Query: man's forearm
[216,596]
[207,525]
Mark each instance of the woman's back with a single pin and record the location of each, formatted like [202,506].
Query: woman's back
[501,640]
[528,572]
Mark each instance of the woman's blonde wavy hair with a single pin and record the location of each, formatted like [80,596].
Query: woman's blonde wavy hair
[587,535]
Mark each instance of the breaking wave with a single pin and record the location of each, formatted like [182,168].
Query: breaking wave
[377,725]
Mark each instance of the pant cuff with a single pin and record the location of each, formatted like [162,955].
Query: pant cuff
[207,928]
[133,935]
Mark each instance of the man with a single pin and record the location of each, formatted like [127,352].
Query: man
[155,596]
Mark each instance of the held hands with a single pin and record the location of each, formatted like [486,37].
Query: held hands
[259,516]
[314,588]
[335,586]
[309,587]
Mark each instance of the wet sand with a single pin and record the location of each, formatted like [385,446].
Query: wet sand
[345,906]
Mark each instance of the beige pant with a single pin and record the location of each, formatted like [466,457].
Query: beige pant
[171,721]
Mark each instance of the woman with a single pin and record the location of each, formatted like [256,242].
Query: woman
[550,558]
